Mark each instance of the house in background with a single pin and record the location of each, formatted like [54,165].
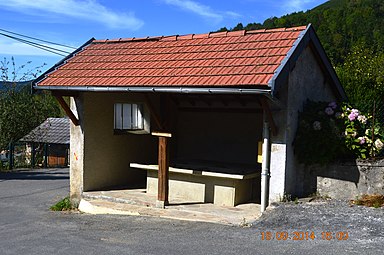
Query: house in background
[48,144]
[184,115]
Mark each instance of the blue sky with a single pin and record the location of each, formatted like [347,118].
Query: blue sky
[73,22]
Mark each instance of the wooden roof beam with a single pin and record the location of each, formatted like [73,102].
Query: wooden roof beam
[153,112]
[67,109]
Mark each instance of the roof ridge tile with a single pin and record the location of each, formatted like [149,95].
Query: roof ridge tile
[218,34]
[200,36]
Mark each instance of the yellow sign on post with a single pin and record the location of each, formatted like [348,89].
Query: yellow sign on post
[260,152]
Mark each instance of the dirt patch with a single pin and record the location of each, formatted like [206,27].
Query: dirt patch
[375,200]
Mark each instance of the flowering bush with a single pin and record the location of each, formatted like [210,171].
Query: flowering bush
[363,138]
[328,132]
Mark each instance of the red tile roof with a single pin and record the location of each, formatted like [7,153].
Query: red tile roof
[240,58]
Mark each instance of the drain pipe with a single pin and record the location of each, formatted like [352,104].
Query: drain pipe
[265,167]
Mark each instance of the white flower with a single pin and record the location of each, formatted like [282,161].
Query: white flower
[316,125]
[379,144]
[362,119]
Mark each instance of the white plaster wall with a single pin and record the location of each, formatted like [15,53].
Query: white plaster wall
[278,157]
[277,171]
[107,156]
[306,81]
[76,157]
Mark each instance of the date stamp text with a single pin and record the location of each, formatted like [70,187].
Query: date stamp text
[303,235]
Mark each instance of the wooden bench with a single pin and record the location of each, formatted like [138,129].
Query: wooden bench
[199,182]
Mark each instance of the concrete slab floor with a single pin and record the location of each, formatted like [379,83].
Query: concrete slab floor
[138,202]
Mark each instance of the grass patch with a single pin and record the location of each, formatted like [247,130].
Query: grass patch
[288,198]
[374,200]
[317,196]
[63,205]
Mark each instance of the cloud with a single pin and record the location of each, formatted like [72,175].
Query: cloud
[232,14]
[297,5]
[81,9]
[201,10]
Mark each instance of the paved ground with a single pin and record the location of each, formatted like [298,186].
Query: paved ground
[28,227]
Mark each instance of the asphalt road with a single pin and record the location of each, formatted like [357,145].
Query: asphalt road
[27,226]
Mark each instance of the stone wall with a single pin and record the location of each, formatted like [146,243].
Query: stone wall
[348,180]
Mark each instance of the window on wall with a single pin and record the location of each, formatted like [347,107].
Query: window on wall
[130,117]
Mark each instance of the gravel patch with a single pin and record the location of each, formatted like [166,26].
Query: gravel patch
[364,225]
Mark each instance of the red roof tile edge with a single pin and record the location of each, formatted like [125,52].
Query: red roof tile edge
[199,36]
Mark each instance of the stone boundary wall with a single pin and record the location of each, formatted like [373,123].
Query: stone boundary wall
[348,180]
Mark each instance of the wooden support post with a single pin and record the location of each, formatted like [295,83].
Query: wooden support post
[33,154]
[45,155]
[67,109]
[163,173]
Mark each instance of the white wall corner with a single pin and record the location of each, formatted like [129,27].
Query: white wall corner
[277,171]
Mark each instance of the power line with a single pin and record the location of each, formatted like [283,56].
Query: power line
[37,39]
[37,45]
[40,46]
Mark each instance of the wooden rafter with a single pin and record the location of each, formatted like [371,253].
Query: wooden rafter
[67,109]
[153,112]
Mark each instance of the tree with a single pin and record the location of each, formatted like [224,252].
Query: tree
[362,75]
[238,27]
[20,110]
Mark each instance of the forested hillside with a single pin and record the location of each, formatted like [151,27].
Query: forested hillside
[352,34]
[340,25]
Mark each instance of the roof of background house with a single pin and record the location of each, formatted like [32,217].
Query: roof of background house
[239,59]
[52,130]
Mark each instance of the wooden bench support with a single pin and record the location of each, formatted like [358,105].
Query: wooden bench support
[163,174]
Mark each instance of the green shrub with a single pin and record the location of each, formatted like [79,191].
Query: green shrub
[63,205]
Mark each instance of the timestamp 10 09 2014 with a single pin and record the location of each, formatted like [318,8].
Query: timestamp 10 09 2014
[304,235]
